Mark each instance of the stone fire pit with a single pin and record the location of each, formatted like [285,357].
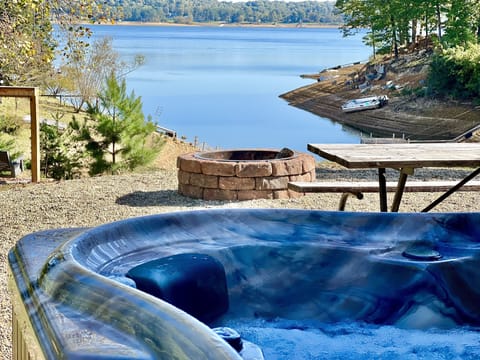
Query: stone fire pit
[243,174]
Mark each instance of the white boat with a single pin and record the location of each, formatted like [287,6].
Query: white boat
[367,103]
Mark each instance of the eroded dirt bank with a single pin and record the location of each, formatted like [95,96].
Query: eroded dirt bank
[406,115]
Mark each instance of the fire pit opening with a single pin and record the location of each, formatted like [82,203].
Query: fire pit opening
[243,174]
[246,155]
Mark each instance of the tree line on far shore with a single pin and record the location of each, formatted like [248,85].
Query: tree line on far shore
[253,12]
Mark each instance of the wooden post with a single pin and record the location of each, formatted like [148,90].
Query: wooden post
[35,136]
[32,94]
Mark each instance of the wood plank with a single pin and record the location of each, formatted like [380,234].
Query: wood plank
[11,91]
[415,155]
[392,140]
[373,187]
[35,136]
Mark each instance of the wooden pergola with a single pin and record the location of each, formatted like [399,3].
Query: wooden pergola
[33,94]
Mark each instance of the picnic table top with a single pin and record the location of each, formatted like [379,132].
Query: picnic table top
[404,155]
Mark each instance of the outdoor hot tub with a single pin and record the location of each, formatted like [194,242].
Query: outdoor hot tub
[296,284]
[243,174]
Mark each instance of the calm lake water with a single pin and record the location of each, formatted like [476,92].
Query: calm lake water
[221,85]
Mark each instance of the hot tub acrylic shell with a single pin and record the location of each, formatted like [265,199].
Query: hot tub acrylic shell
[69,286]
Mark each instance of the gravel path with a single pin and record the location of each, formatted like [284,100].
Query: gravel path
[94,201]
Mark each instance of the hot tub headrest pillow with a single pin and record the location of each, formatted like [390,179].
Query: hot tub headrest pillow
[194,283]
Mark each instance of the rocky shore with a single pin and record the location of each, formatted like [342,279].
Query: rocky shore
[90,202]
[408,114]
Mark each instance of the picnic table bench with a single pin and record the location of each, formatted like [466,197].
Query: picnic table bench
[358,188]
[404,157]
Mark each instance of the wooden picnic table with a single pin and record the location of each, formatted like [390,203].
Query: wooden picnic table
[405,157]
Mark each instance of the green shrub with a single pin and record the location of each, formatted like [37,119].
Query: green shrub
[9,124]
[7,143]
[60,157]
[455,72]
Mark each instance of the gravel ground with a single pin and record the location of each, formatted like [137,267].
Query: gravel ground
[94,201]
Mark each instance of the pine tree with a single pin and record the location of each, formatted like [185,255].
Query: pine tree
[118,137]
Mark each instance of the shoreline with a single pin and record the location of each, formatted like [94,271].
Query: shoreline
[222,24]
[407,115]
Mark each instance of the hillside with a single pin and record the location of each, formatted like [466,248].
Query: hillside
[167,159]
[407,114]
[18,111]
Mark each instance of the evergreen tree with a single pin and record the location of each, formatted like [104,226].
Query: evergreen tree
[61,155]
[118,136]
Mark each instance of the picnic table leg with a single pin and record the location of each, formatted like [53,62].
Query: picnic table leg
[452,190]
[343,199]
[382,182]
[402,180]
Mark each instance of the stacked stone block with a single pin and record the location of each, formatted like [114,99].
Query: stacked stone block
[213,179]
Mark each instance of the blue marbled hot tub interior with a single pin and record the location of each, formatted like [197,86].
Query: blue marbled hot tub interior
[304,267]
[314,265]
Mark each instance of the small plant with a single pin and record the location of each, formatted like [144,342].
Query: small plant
[60,156]
[9,124]
[7,143]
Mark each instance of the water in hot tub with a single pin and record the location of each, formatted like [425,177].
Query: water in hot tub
[292,340]
[270,280]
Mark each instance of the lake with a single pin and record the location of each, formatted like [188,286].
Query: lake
[220,85]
